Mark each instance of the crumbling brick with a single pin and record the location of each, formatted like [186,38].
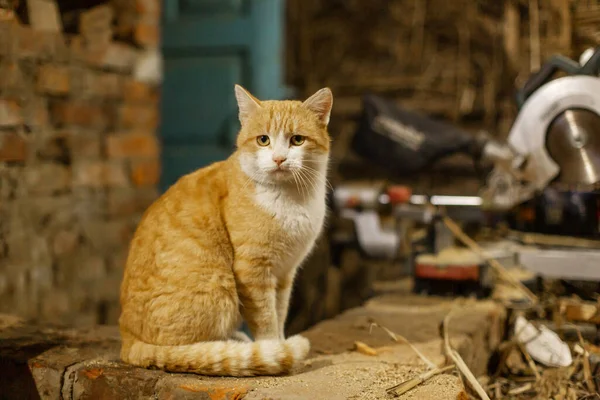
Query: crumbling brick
[6,38]
[115,56]
[64,242]
[107,235]
[148,8]
[35,112]
[147,34]
[98,174]
[127,145]
[139,92]
[53,79]
[78,113]
[109,85]
[47,178]
[12,78]
[84,146]
[13,147]
[129,201]
[62,100]
[10,113]
[139,116]
[145,172]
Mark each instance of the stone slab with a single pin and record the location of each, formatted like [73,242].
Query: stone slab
[44,362]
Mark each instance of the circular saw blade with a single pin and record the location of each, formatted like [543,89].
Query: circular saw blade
[573,142]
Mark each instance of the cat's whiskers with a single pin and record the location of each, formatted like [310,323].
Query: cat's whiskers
[309,179]
[303,184]
[297,186]
[317,175]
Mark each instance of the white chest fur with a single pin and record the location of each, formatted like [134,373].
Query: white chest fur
[301,216]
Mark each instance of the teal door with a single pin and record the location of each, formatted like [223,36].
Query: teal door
[209,46]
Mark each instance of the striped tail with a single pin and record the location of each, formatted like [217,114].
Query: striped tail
[221,358]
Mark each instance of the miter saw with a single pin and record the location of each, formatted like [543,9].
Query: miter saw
[555,140]
[551,181]
[544,179]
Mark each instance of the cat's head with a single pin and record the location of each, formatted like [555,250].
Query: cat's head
[284,141]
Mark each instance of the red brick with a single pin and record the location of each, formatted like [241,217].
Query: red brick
[147,34]
[148,7]
[53,79]
[13,147]
[145,172]
[131,145]
[99,174]
[78,113]
[10,113]
[139,116]
[140,92]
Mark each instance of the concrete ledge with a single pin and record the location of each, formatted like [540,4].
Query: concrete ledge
[43,362]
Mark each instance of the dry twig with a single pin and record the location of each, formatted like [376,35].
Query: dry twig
[364,349]
[405,386]
[530,361]
[399,338]
[464,370]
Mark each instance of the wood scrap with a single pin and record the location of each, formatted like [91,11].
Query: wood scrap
[579,311]
[364,348]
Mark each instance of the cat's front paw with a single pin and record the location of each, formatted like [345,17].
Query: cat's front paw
[241,337]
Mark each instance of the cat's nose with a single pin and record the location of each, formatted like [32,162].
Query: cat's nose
[279,160]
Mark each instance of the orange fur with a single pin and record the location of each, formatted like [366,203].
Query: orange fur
[223,243]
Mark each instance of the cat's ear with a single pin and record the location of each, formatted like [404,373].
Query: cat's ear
[247,103]
[320,103]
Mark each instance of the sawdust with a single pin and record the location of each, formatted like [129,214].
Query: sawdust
[353,375]
[439,387]
[451,256]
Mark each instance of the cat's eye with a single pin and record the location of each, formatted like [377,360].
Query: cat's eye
[297,140]
[263,140]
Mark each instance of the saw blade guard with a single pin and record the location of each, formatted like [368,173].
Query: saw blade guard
[556,137]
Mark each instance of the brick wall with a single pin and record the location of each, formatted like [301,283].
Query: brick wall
[79,163]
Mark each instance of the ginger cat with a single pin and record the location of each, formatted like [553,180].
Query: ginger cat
[225,242]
